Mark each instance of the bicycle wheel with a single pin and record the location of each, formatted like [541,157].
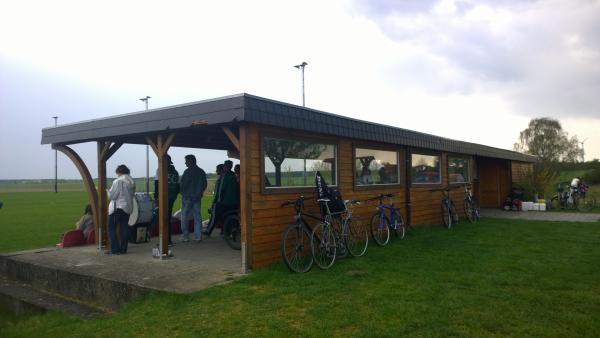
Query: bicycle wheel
[323,245]
[453,213]
[446,217]
[470,211]
[380,229]
[295,248]
[356,237]
[399,226]
[338,230]
[586,203]
[555,203]
[232,230]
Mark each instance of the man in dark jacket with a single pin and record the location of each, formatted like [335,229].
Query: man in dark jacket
[172,188]
[193,184]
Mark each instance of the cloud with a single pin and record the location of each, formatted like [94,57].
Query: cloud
[543,57]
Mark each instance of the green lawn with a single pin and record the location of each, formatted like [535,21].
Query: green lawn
[495,278]
[31,220]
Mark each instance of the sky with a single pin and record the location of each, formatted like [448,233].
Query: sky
[476,71]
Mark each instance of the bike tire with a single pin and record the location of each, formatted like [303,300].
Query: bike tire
[232,231]
[469,211]
[586,203]
[323,246]
[399,226]
[446,217]
[295,248]
[380,229]
[453,213]
[555,203]
[356,237]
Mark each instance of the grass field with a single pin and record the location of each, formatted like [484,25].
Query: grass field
[495,278]
[31,220]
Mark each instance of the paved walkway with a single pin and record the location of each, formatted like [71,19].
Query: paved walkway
[541,215]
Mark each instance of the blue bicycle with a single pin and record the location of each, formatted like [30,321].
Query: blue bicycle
[381,223]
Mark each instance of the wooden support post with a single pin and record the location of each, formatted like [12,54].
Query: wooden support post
[105,151]
[90,188]
[245,200]
[232,137]
[161,146]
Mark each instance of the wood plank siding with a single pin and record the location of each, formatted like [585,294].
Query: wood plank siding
[268,220]
[520,171]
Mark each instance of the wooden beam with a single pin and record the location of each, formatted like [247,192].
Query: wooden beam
[90,188]
[232,137]
[245,199]
[161,146]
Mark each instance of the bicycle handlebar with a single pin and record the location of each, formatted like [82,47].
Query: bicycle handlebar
[380,196]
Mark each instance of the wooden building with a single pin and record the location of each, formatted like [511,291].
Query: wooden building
[280,146]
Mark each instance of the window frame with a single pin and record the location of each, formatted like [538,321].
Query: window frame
[469,168]
[426,153]
[399,155]
[296,137]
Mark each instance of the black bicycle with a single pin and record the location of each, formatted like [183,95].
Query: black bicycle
[295,242]
[472,210]
[449,214]
[381,224]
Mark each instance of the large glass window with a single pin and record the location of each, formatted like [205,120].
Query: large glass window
[458,169]
[375,167]
[426,169]
[293,163]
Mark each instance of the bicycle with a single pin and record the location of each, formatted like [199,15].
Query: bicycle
[336,234]
[572,198]
[472,210]
[295,242]
[381,224]
[449,214]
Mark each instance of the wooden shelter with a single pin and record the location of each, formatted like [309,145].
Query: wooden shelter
[281,145]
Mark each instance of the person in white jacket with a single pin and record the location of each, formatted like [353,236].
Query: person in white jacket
[121,204]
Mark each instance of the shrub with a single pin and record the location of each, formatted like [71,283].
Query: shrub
[592,176]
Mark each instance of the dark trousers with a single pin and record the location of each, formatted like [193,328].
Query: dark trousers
[121,218]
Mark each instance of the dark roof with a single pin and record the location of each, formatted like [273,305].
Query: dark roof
[131,128]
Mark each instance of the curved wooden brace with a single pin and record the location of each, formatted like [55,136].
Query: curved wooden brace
[87,179]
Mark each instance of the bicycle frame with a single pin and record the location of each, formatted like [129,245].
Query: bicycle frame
[381,208]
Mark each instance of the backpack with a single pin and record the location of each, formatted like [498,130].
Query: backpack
[336,203]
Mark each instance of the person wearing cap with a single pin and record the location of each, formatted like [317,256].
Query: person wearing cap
[172,188]
[192,184]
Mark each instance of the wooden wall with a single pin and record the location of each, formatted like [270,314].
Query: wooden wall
[520,171]
[267,220]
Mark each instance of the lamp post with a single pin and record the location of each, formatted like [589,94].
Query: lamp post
[55,159]
[301,67]
[145,100]
[582,151]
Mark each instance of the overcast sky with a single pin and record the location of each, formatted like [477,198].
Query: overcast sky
[470,70]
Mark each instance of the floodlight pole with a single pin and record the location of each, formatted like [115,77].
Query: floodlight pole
[301,67]
[55,160]
[145,100]
[582,151]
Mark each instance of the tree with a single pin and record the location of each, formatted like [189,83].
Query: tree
[278,150]
[545,138]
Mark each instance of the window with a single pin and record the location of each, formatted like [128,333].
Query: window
[375,167]
[458,169]
[293,163]
[426,169]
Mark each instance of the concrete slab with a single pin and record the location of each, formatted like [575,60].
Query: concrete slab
[194,265]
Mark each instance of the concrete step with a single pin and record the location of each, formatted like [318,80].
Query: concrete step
[94,291]
[21,299]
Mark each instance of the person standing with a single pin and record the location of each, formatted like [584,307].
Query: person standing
[172,188]
[121,204]
[192,185]
[228,197]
